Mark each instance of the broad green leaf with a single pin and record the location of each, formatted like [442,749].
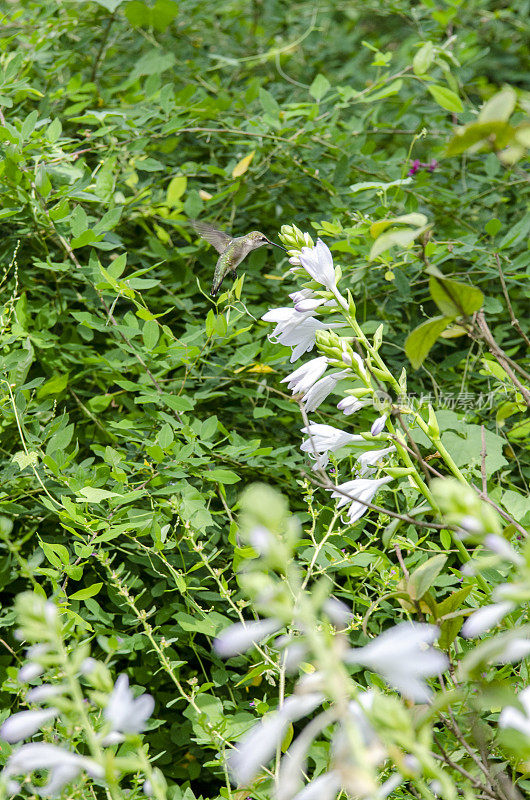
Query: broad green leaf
[221,475]
[445,98]
[89,591]
[423,59]
[421,580]
[175,190]
[422,338]
[500,107]
[23,459]
[455,299]
[401,237]
[92,495]
[150,333]
[53,386]
[480,135]
[319,87]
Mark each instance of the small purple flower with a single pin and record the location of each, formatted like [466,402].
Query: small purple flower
[432,165]
[252,703]
[416,164]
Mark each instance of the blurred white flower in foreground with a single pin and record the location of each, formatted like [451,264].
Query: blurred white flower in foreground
[512,717]
[126,713]
[241,636]
[63,767]
[403,656]
[25,723]
[485,618]
[303,378]
[358,492]
[318,262]
[259,745]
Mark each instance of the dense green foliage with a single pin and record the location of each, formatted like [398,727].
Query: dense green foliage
[134,408]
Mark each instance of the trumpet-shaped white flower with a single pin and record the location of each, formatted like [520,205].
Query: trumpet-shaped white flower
[502,548]
[25,723]
[323,439]
[485,618]
[303,378]
[126,713]
[368,460]
[325,787]
[295,330]
[63,766]
[379,425]
[318,393]
[241,636]
[259,745]
[404,658]
[358,492]
[349,405]
[318,262]
[512,717]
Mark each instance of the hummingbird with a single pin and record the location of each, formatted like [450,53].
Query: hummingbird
[232,250]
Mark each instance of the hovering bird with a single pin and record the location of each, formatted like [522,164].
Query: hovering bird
[232,250]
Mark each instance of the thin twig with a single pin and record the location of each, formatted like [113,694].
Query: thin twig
[515,321]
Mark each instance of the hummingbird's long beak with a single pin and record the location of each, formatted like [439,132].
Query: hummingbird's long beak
[277,245]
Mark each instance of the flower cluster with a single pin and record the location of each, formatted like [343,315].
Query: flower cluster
[60,698]
[301,328]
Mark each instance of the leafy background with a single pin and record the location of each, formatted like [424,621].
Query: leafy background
[133,407]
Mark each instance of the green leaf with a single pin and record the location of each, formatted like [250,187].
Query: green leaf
[455,299]
[422,338]
[89,591]
[500,107]
[221,475]
[150,333]
[401,237]
[319,87]
[53,386]
[423,59]
[421,580]
[23,459]
[175,189]
[445,98]
[477,136]
[89,494]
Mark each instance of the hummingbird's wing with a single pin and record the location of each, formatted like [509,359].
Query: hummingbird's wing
[218,239]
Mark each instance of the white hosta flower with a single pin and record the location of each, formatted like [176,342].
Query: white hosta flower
[379,425]
[259,745]
[318,263]
[368,460]
[358,492]
[485,618]
[502,548]
[404,658]
[295,330]
[44,692]
[303,378]
[241,636]
[318,393]
[514,650]
[25,723]
[324,439]
[63,766]
[261,539]
[512,717]
[126,713]
[29,672]
[349,405]
[320,390]
[301,294]
[325,787]
[337,611]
